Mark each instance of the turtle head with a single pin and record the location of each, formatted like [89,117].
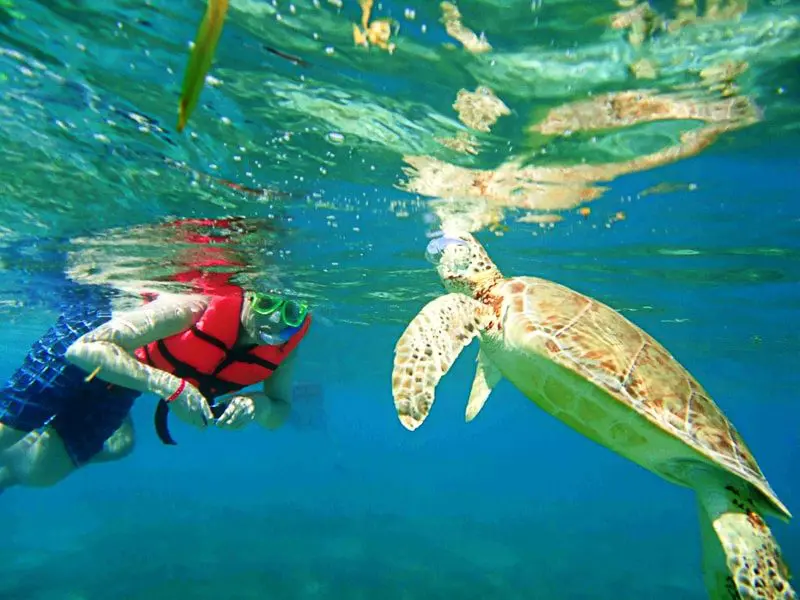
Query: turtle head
[462,263]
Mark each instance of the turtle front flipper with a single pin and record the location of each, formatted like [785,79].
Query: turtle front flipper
[487,375]
[427,349]
[744,561]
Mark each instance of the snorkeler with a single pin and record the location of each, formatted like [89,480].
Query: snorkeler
[68,404]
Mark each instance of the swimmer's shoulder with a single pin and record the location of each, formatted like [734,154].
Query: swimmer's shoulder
[127,302]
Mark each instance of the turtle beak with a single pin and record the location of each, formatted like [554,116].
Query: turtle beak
[437,246]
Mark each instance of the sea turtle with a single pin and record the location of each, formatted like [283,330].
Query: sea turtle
[590,367]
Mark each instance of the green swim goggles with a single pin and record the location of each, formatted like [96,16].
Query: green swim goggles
[293,313]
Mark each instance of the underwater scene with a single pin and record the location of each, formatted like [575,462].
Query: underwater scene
[357,299]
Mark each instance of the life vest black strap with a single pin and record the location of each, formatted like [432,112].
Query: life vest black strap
[207,383]
[244,356]
[209,386]
[161,420]
[207,337]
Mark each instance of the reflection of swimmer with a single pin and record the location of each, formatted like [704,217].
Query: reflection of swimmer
[169,256]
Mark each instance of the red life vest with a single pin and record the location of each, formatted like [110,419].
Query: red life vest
[205,356]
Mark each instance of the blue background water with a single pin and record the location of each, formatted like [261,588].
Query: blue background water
[513,505]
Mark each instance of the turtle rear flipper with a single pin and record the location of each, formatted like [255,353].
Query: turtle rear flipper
[427,349]
[487,376]
[741,559]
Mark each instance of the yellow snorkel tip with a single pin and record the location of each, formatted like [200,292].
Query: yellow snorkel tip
[200,59]
[92,375]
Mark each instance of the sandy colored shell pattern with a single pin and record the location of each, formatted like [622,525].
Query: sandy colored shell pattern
[602,346]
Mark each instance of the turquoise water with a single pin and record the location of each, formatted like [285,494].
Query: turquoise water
[513,505]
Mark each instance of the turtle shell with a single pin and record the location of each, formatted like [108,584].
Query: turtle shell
[601,346]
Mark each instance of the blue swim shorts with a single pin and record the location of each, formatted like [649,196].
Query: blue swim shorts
[48,390]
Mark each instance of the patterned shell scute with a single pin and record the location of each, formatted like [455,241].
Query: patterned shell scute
[595,341]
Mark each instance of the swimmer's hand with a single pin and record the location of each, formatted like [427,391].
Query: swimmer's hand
[192,407]
[239,412]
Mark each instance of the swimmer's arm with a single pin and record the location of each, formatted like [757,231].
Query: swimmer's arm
[272,406]
[110,346]
[279,386]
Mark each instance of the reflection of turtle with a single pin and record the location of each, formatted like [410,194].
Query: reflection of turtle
[587,365]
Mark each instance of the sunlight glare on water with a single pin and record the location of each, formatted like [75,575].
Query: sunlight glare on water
[520,118]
